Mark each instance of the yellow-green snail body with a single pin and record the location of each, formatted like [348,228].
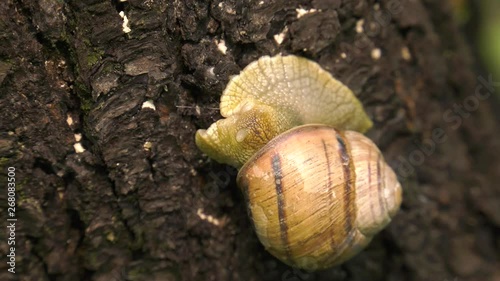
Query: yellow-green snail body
[317,189]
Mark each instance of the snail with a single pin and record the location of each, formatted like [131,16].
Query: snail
[316,188]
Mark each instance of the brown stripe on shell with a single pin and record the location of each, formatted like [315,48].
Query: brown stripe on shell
[381,201]
[330,192]
[278,184]
[349,192]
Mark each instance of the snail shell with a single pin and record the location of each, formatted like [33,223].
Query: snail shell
[317,195]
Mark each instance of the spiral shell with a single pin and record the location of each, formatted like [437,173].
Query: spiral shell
[317,195]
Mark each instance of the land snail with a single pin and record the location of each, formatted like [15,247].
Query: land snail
[317,189]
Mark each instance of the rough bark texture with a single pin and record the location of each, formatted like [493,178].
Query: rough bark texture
[142,203]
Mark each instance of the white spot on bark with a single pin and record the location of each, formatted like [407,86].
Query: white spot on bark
[343,55]
[125,27]
[210,72]
[210,218]
[229,10]
[147,146]
[302,12]
[149,104]
[69,120]
[78,137]
[78,147]
[405,53]
[221,45]
[280,37]
[376,53]
[359,26]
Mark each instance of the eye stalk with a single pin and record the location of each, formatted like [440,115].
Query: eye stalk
[235,139]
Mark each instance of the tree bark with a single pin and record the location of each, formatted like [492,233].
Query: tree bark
[99,125]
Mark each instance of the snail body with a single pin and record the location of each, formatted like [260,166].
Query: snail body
[272,95]
[317,189]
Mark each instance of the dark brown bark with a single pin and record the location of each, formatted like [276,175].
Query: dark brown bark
[143,203]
